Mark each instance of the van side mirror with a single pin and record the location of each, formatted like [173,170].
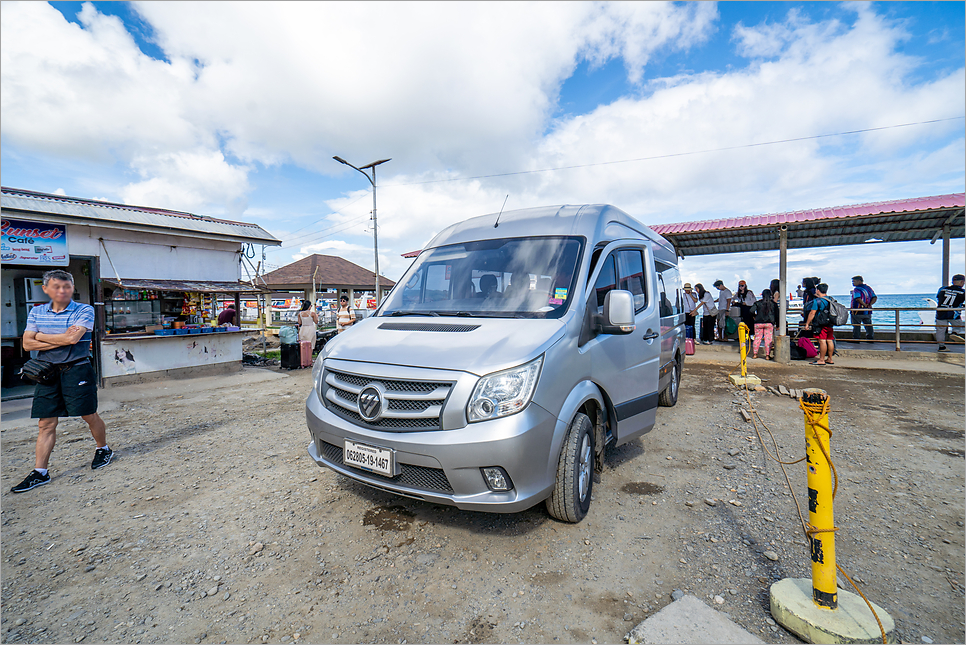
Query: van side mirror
[618,316]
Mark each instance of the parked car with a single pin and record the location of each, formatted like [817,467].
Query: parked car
[508,356]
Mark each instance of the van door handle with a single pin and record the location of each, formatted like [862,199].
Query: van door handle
[651,335]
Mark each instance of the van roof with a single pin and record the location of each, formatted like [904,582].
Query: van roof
[596,222]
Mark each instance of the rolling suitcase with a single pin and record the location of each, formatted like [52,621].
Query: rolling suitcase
[305,352]
[291,358]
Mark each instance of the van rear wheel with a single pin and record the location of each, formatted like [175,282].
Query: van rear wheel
[570,499]
[669,397]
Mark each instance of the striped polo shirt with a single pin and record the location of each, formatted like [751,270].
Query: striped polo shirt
[44,320]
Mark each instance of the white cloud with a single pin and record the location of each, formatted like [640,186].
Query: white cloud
[435,85]
[461,89]
[188,180]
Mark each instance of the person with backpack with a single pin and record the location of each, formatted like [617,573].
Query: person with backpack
[863,297]
[819,322]
[765,317]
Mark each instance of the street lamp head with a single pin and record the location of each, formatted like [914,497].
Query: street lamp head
[376,163]
[341,160]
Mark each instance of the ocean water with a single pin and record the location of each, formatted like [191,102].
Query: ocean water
[907,319]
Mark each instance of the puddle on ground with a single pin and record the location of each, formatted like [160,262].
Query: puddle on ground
[388,518]
[642,488]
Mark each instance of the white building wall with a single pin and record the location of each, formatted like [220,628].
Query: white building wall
[133,254]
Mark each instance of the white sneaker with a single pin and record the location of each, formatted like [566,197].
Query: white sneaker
[957,338]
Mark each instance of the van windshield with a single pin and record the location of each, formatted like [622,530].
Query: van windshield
[526,277]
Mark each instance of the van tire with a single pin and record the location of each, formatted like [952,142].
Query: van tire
[669,397]
[570,499]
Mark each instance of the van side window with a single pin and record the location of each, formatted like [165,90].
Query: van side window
[669,282]
[631,269]
[607,281]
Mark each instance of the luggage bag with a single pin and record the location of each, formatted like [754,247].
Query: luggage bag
[291,358]
[305,351]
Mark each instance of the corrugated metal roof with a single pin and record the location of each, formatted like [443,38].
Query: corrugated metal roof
[193,286]
[835,212]
[60,208]
[890,221]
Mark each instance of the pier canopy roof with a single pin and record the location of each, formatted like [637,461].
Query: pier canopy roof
[902,220]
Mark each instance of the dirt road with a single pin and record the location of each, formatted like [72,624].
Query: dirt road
[213,525]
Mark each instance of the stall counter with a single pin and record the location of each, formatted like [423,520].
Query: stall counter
[132,359]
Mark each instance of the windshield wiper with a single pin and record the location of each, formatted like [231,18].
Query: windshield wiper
[464,314]
[414,313]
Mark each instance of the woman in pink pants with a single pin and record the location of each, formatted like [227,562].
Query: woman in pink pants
[765,312]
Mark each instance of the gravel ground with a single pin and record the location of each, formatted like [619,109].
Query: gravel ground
[213,525]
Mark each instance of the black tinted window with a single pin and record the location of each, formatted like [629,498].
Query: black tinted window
[631,270]
[606,281]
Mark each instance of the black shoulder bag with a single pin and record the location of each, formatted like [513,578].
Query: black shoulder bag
[39,371]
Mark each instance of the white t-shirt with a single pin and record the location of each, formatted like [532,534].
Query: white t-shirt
[723,297]
[690,301]
[706,303]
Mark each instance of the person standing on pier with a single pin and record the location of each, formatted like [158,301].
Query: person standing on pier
[705,304]
[951,297]
[690,304]
[862,296]
[819,321]
[765,317]
[724,307]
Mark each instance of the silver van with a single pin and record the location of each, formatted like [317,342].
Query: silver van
[509,355]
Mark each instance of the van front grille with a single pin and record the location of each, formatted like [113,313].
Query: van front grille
[409,406]
[415,477]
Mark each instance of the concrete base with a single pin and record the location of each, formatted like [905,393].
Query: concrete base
[177,373]
[751,379]
[852,622]
[689,620]
[783,352]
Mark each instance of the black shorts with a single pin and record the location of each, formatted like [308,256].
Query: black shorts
[72,394]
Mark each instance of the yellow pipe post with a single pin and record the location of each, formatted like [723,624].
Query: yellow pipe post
[815,404]
[743,341]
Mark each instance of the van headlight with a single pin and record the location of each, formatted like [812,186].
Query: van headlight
[317,374]
[503,393]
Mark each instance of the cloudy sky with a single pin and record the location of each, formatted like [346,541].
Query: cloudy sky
[236,109]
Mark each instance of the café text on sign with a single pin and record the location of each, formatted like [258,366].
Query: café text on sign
[23,242]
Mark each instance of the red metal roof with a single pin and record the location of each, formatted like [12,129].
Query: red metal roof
[902,220]
[835,212]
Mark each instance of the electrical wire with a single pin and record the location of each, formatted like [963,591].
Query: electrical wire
[672,155]
[338,228]
[366,194]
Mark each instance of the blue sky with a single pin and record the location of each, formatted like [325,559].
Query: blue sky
[235,110]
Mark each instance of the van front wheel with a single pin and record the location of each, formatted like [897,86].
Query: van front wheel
[669,396]
[570,499]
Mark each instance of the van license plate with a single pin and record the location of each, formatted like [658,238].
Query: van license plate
[377,460]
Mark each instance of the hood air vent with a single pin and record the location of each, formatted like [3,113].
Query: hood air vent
[403,326]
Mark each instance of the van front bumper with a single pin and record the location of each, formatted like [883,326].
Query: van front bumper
[443,466]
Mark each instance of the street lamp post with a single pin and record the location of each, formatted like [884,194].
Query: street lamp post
[375,223]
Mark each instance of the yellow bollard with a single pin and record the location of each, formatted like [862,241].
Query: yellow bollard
[821,532]
[743,342]
[832,616]
[745,378]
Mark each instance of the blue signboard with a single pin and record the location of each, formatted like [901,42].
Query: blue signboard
[23,242]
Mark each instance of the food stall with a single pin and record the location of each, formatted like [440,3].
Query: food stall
[157,328]
[155,277]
